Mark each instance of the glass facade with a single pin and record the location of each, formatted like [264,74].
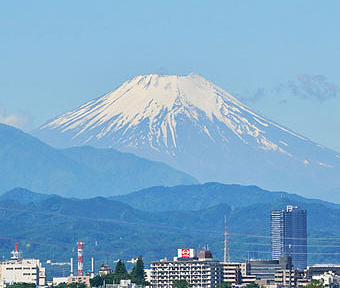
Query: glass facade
[289,235]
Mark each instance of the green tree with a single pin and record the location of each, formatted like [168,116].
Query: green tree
[314,284]
[65,285]
[22,285]
[138,273]
[108,278]
[96,281]
[180,284]
[224,285]
[60,285]
[252,285]
[120,272]
[76,285]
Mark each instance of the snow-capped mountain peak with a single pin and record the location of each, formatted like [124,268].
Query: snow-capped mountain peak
[196,126]
[159,100]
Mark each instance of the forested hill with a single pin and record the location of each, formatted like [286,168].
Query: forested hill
[81,172]
[195,197]
[49,228]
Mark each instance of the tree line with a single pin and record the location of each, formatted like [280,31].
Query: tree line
[137,275]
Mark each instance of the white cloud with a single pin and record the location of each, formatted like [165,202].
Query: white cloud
[308,87]
[19,119]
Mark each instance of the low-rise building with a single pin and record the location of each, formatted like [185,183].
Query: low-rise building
[266,269]
[59,280]
[327,274]
[122,284]
[104,270]
[19,270]
[79,279]
[327,279]
[320,269]
[268,273]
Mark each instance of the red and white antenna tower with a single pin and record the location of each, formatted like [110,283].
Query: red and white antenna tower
[16,254]
[80,258]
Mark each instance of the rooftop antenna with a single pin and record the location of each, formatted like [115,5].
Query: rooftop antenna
[16,254]
[226,257]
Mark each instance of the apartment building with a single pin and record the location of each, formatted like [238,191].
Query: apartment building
[198,270]
[232,273]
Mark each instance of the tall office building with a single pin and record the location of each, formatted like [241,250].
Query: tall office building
[289,235]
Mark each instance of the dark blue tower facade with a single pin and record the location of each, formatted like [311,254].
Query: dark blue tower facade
[289,235]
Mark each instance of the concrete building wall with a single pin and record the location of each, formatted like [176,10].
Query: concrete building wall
[79,279]
[58,280]
[197,273]
[232,273]
[22,270]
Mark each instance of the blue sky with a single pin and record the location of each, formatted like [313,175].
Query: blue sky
[55,55]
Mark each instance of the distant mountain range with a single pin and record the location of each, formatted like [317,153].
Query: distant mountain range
[77,172]
[196,197]
[195,126]
[24,196]
[48,226]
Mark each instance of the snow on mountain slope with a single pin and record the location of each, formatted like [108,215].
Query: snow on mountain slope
[194,125]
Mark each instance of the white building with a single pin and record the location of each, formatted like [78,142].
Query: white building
[19,270]
[327,279]
[232,273]
[148,275]
[59,280]
[79,279]
[122,284]
[201,271]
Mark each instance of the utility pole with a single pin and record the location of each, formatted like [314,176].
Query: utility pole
[226,242]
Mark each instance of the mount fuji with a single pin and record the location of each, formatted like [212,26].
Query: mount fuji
[197,127]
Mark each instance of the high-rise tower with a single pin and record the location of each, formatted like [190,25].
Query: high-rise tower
[289,235]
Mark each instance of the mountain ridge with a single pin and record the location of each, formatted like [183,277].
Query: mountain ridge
[80,171]
[203,196]
[23,196]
